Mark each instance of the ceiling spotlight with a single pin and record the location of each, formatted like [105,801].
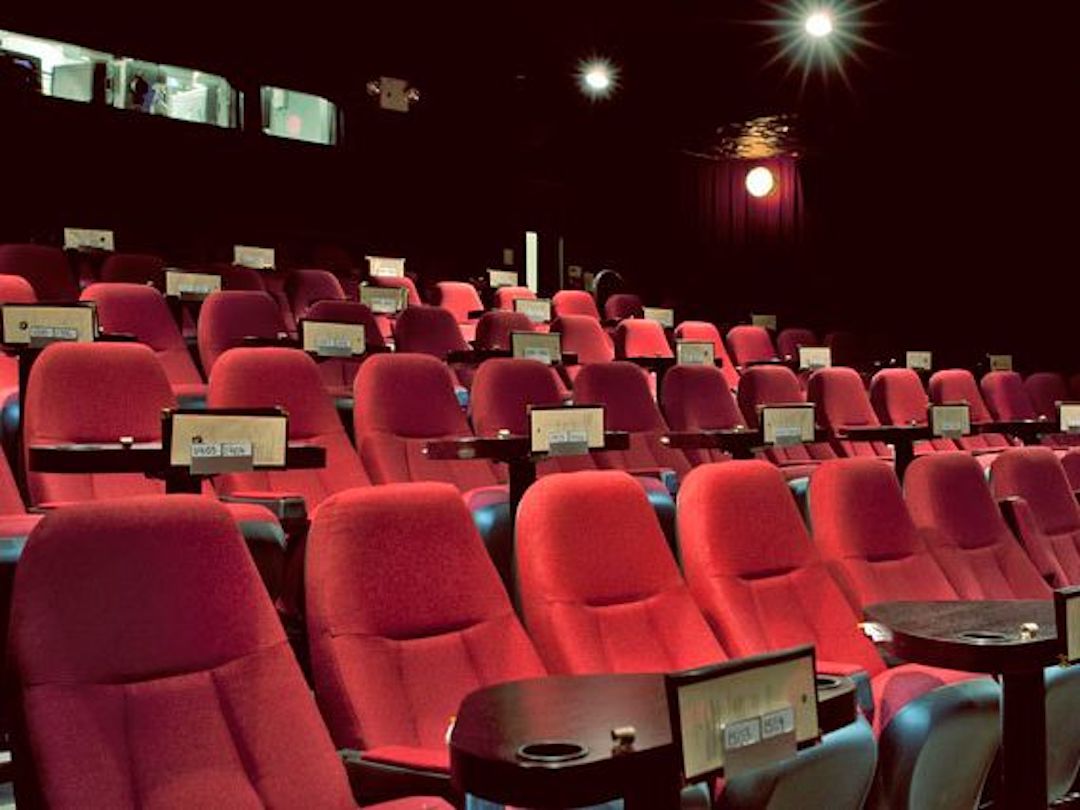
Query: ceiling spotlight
[760,182]
[597,78]
[819,24]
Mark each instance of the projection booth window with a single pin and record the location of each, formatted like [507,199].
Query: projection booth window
[58,69]
[299,116]
[175,92]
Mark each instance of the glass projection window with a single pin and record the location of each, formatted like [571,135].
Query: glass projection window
[174,92]
[56,68]
[300,116]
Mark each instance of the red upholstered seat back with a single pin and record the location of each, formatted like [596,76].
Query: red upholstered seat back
[947,495]
[767,385]
[623,305]
[749,344]
[582,335]
[574,302]
[229,317]
[898,397]
[339,372]
[1004,394]
[789,341]
[133,268]
[1045,389]
[46,268]
[460,298]
[841,399]
[94,392]
[16,290]
[10,500]
[1071,464]
[304,287]
[958,385]
[637,337]
[142,633]
[623,389]
[406,615]
[237,277]
[494,328]
[704,331]
[287,378]
[139,310]
[400,282]
[698,398]
[402,402]
[505,296]
[428,330]
[863,528]
[600,590]
[754,571]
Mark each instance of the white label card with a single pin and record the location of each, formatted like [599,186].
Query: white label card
[328,339]
[664,317]
[787,424]
[747,718]
[1001,362]
[259,258]
[386,266]
[566,431]
[543,346]
[813,357]
[384,300]
[950,421]
[79,238]
[537,310]
[196,286]
[41,324]
[1072,627]
[764,321]
[1069,417]
[502,278]
[695,353]
[920,361]
[210,443]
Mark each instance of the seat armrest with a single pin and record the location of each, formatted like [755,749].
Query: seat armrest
[375,781]
[284,506]
[864,693]
[665,475]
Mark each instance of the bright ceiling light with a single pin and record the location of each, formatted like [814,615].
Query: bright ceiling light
[760,182]
[819,24]
[597,78]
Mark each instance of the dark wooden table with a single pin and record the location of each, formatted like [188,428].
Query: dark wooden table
[740,442]
[494,723]
[1026,430]
[148,458]
[901,437]
[984,636]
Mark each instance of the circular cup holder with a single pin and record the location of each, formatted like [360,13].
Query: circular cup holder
[552,751]
[984,636]
[827,681]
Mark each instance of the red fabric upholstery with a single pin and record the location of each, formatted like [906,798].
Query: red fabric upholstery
[707,332]
[899,398]
[948,498]
[288,378]
[574,302]
[304,287]
[864,530]
[582,335]
[229,317]
[958,385]
[16,290]
[402,402]
[1071,464]
[153,670]
[842,403]
[749,344]
[494,328]
[402,281]
[46,268]
[338,373]
[697,398]
[236,277]
[133,268]
[615,603]
[1048,517]
[401,627]
[428,330]
[637,337]
[623,389]
[505,296]
[460,298]
[767,385]
[1046,389]
[623,305]
[789,340]
[1004,394]
[141,311]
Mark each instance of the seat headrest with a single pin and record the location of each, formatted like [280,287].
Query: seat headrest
[408,395]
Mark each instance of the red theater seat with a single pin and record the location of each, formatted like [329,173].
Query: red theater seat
[582,335]
[899,398]
[133,268]
[750,344]
[763,586]
[842,403]
[574,302]
[958,385]
[1046,515]
[432,330]
[461,298]
[789,340]
[1008,401]
[696,398]
[189,705]
[406,616]
[505,296]
[46,268]
[404,282]
[338,373]
[637,337]
[493,330]
[227,318]
[704,332]
[237,277]
[304,288]
[617,603]
[141,311]
[1071,463]
[623,305]
[13,290]
[1046,389]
